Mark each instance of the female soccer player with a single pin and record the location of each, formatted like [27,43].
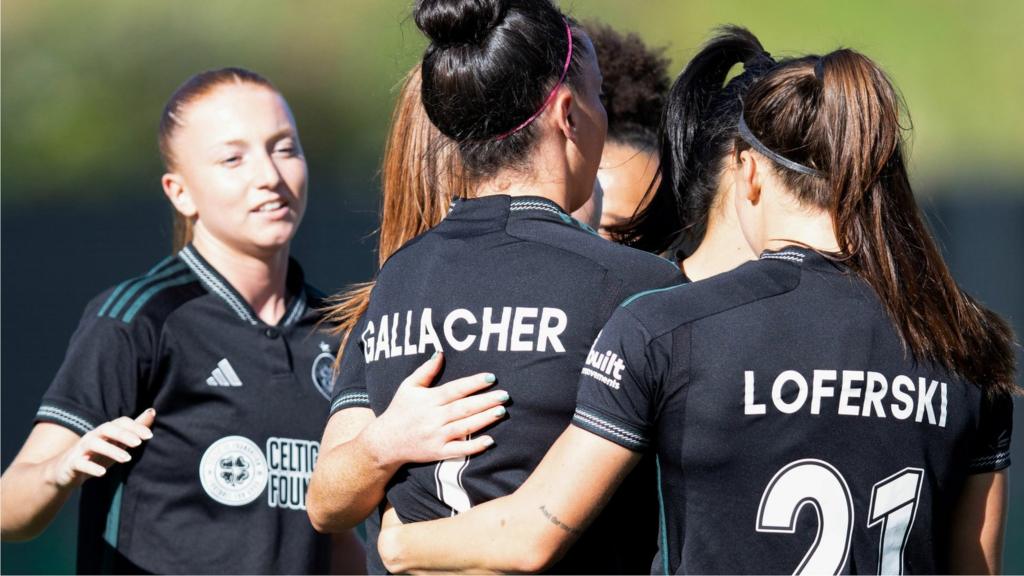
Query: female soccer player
[517,86]
[635,82]
[839,405]
[182,407]
[692,217]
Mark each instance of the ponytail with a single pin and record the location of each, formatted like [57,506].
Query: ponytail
[698,127]
[420,176]
[839,115]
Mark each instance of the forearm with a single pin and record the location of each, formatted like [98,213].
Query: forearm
[510,534]
[29,498]
[348,483]
[526,531]
[979,525]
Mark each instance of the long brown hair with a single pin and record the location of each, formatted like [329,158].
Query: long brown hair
[420,176]
[839,114]
[193,89]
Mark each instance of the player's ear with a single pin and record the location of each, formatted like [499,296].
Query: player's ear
[178,193]
[564,113]
[747,178]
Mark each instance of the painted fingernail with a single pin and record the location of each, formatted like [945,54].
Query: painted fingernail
[502,396]
[498,411]
[489,378]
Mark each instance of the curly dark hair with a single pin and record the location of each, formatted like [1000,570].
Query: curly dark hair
[635,84]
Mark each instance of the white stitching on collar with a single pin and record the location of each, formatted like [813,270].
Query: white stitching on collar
[214,285]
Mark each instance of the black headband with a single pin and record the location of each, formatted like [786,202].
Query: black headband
[756,144]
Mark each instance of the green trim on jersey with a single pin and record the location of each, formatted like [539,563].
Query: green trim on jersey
[662,526]
[114,517]
[639,295]
[140,283]
[123,285]
[175,281]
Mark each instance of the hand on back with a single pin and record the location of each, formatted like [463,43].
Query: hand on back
[427,424]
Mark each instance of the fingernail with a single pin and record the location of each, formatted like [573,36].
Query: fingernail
[489,378]
[147,435]
[487,440]
[434,355]
[498,411]
[503,396]
[150,411]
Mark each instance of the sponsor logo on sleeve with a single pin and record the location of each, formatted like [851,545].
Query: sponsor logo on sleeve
[604,366]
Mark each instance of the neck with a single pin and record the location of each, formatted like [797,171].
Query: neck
[722,248]
[546,177]
[791,224]
[519,186]
[260,280]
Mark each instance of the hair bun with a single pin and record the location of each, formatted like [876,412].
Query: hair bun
[458,21]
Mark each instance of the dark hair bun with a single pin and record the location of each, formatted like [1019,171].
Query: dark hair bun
[449,22]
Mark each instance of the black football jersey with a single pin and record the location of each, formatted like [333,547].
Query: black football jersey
[516,287]
[221,486]
[794,434]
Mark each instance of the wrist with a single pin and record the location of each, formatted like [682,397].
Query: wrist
[379,447]
[52,476]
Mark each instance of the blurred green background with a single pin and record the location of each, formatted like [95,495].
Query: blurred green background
[83,84]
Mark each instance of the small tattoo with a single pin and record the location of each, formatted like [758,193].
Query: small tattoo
[554,520]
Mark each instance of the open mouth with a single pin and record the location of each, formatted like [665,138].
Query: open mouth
[272,206]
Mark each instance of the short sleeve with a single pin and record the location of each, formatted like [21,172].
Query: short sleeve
[990,450]
[350,389]
[100,377]
[618,384]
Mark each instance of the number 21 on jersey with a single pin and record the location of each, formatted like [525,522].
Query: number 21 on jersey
[818,484]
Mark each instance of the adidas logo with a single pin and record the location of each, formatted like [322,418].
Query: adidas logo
[224,375]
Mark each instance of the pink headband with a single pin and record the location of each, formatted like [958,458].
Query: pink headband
[551,96]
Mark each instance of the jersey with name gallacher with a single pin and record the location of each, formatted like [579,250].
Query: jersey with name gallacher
[516,287]
[220,488]
[793,432]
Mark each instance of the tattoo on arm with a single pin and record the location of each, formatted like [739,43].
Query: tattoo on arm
[554,520]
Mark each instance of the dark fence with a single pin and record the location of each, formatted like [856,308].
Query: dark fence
[56,256]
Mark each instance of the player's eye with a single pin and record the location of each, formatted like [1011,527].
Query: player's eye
[286,148]
[232,160]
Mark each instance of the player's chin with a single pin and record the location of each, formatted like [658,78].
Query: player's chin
[274,237]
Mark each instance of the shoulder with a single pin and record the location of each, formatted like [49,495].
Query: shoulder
[666,309]
[151,297]
[578,241]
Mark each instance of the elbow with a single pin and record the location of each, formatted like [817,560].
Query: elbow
[20,533]
[319,522]
[321,516]
[536,558]
[536,552]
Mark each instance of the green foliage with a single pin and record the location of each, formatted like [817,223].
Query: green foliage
[84,82]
